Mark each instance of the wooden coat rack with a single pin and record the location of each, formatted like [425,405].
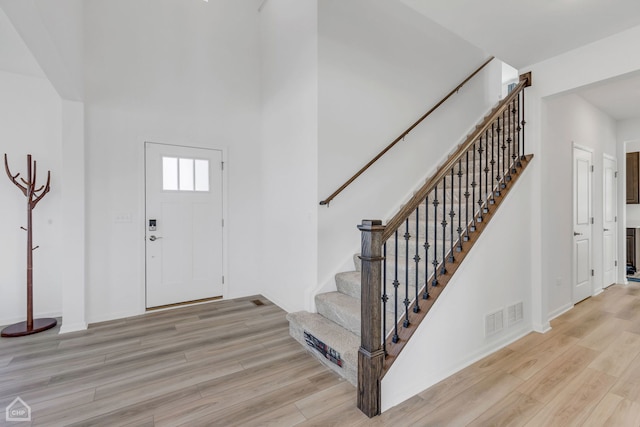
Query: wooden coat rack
[33,195]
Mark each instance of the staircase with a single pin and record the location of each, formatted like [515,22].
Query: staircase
[408,262]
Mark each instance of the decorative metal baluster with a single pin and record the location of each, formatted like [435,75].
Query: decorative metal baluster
[486,172]
[518,162]
[406,301]
[510,127]
[498,170]
[493,162]
[524,155]
[473,189]
[505,167]
[416,258]
[385,298]
[443,270]
[459,230]
[466,197]
[515,128]
[434,282]
[396,283]
[425,295]
[480,201]
[452,215]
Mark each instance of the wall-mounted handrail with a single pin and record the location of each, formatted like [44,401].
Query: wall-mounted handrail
[403,134]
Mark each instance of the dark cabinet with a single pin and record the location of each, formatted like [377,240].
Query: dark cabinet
[631,247]
[633,183]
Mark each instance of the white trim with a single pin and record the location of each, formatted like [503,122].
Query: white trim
[74,327]
[616,229]
[560,311]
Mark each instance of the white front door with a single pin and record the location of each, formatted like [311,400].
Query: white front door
[183,224]
[582,220]
[610,221]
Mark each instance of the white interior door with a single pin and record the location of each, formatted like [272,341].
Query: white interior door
[183,224]
[610,221]
[582,224]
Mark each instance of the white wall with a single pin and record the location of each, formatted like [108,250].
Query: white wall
[452,336]
[605,59]
[289,49]
[569,119]
[174,72]
[30,123]
[381,67]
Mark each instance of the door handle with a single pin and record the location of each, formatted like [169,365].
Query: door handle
[577,234]
[606,229]
[154,238]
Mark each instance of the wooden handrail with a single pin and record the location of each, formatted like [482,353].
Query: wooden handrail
[403,134]
[445,169]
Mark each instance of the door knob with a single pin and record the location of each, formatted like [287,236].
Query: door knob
[154,238]
[577,234]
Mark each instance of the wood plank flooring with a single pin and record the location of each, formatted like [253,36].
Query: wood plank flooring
[230,363]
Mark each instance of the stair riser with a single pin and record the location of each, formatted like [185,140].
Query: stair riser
[349,369]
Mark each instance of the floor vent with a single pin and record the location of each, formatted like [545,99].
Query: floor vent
[257,302]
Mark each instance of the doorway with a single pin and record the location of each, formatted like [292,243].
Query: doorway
[582,224]
[183,224]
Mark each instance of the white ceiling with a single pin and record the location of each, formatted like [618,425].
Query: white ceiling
[15,57]
[524,32]
[619,98]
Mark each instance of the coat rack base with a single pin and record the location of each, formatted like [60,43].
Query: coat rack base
[21,330]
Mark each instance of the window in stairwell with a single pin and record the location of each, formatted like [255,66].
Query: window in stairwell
[181,174]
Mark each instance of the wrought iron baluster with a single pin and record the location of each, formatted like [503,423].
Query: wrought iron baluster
[406,301]
[523,123]
[498,170]
[459,230]
[385,298]
[514,141]
[443,269]
[466,197]
[473,189]
[486,172]
[396,284]
[505,167]
[518,128]
[452,215]
[435,263]
[416,258]
[480,201]
[493,162]
[509,139]
[425,295]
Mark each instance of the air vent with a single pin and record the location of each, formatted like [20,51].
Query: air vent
[514,313]
[257,302]
[493,323]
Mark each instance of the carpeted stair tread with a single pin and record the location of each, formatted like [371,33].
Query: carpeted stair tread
[341,309]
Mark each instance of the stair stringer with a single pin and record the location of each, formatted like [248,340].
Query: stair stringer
[495,274]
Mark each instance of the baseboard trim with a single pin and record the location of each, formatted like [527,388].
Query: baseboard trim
[11,321]
[560,311]
[73,327]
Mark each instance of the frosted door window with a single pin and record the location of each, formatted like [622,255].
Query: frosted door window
[185,174]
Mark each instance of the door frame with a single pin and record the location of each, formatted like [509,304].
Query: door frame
[590,150]
[616,254]
[142,222]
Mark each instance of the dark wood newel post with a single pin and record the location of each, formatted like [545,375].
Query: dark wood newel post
[371,354]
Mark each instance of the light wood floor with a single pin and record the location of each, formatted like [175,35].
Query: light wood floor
[233,363]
